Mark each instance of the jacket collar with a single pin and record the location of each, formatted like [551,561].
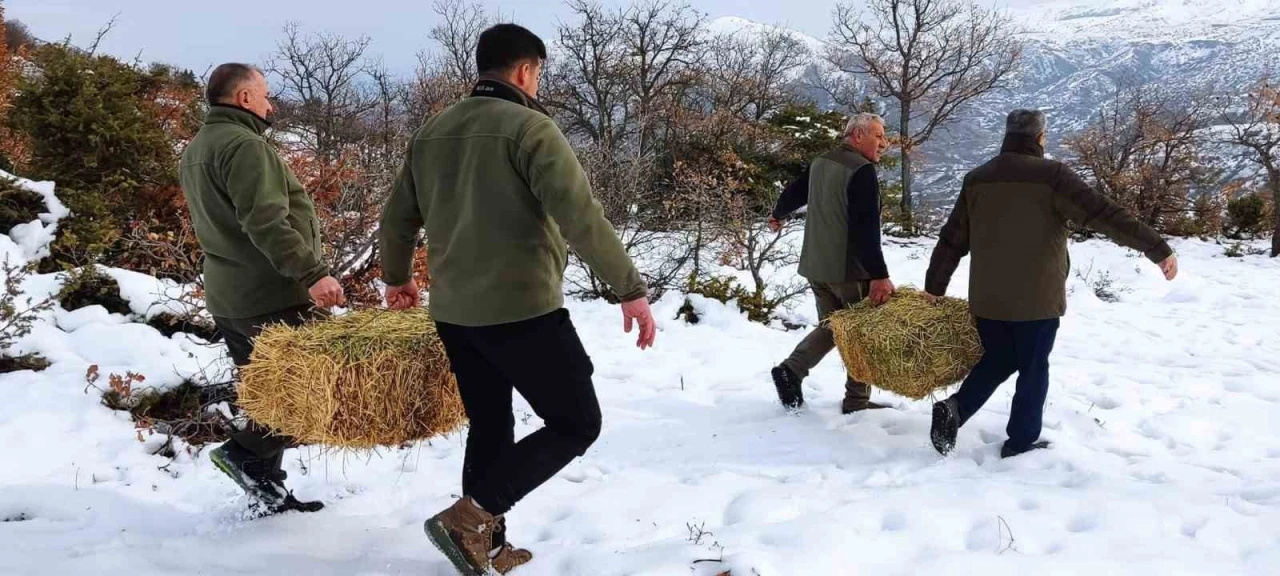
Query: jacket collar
[490,87]
[232,114]
[844,145]
[1022,144]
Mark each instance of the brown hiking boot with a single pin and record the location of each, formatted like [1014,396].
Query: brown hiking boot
[464,534]
[506,557]
[510,557]
[857,397]
[849,407]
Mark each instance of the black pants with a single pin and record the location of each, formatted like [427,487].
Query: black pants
[238,333]
[544,360]
[1021,347]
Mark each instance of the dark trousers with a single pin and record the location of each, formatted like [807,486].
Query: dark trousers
[238,334]
[831,298]
[1021,347]
[544,360]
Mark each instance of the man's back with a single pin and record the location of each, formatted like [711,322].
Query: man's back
[496,185]
[1012,216]
[1017,237]
[253,219]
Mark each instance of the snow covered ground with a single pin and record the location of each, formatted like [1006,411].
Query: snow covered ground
[1163,412]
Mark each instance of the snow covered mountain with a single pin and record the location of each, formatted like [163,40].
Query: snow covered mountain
[1079,51]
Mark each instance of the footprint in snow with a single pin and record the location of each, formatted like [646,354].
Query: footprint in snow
[1191,528]
[893,522]
[1082,523]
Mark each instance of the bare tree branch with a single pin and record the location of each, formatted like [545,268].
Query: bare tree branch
[932,57]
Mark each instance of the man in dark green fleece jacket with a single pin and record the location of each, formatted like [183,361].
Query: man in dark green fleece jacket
[263,261]
[1012,215]
[500,193]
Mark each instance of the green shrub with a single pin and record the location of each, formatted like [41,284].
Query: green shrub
[1247,216]
[758,307]
[88,287]
[33,362]
[18,205]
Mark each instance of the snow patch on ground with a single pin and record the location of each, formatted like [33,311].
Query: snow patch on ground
[1166,456]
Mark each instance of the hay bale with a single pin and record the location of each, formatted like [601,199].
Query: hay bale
[908,346]
[361,380]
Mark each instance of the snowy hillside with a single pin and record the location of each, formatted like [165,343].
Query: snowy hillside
[1162,411]
[1079,52]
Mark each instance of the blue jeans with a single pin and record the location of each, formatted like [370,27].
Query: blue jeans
[1021,347]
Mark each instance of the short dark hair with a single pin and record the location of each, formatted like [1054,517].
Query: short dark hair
[226,79]
[503,46]
[1025,122]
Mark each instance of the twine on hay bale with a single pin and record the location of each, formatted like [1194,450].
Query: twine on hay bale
[907,346]
[362,380]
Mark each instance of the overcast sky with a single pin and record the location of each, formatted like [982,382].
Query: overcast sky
[198,34]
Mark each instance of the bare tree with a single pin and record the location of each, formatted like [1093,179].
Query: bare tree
[623,182]
[319,88]
[343,123]
[18,36]
[1255,127]
[931,57]
[587,85]
[455,36]
[622,70]
[752,76]
[663,41]
[1145,151]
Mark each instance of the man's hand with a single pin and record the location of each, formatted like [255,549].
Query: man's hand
[881,291]
[1170,267]
[327,293]
[638,311]
[775,224]
[931,299]
[404,297]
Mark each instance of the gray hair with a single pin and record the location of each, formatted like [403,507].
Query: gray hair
[1025,123]
[227,79]
[861,122]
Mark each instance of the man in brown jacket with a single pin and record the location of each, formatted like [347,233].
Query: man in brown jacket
[1012,216]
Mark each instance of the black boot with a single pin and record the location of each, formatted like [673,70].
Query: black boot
[946,426]
[1009,450]
[262,480]
[788,385]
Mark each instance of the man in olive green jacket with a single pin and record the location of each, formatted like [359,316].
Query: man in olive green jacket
[499,191]
[1012,215]
[263,261]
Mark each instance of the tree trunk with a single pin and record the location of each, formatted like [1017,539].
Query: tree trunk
[1275,210]
[908,219]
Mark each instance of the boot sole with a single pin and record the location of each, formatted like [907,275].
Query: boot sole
[944,430]
[259,507]
[439,537]
[226,468]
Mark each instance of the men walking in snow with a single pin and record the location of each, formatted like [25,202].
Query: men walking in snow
[841,256]
[1012,216]
[499,191]
[263,261]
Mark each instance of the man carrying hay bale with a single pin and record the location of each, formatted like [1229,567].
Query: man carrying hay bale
[263,261]
[841,257]
[500,191]
[1012,215]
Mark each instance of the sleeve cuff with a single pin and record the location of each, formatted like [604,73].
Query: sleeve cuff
[315,276]
[641,292]
[1160,253]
